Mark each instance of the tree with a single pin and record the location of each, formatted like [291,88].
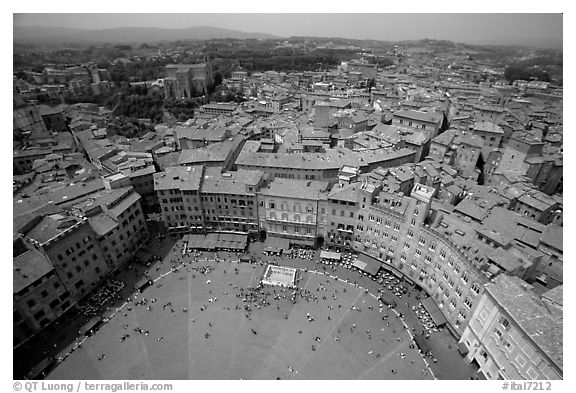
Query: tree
[217,79]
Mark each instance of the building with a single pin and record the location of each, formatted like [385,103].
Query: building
[342,206]
[192,137]
[395,232]
[187,80]
[293,209]
[229,200]
[117,218]
[178,191]
[39,296]
[515,334]
[222,154]
[218,108]
[427,121]
[490,133]
[70,245]
[460,150]
[319,166]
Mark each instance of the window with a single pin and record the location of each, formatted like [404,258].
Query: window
[406,246]
[397,227]
[415,212]
[458,292]
[520,360]
[433,246]
[476,288]
[505,323]
[31,303]
[410,234]
[394,238]
[421,241]
[442,254]
[418,253]
[468,302]
[351,214]
[461,315]
[413,222]
[387,223]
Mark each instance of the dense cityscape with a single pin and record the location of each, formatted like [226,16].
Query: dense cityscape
[288,183]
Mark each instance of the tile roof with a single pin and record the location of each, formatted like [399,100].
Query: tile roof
[181,177]
[299,189]
[552,236]
[429,117]
[531,315]
[29,267]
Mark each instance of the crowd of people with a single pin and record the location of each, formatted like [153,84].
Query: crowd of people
[107,294]
[300,253]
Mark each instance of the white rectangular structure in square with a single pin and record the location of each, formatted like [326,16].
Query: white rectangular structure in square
[280,275]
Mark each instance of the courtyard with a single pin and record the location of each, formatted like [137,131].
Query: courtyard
[209,317]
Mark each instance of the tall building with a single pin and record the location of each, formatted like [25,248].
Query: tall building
[187,80]
[229,200]
[294,209]
[59,258]
[393,230]
[515,334]
[178,190]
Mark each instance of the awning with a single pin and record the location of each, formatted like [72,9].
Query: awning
[303,242]
[210,241]
[42,368]
[371,265]
[330,255]
[196,241]
[387,299]
[91,326]
[277,243]
[462,349]
[422,343]
[143,283]
[437,317]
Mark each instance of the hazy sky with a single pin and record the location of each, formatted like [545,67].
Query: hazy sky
[473,28]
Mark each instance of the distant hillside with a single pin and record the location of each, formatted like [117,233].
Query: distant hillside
[57,35]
